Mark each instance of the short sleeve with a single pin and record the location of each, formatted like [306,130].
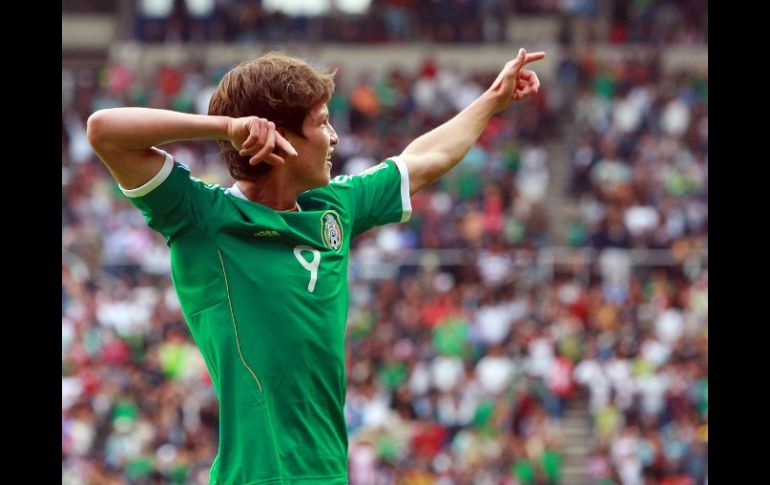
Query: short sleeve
[378,195]
[172,201]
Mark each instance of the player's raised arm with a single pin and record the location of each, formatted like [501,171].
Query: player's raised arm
[433,154]
[124,139]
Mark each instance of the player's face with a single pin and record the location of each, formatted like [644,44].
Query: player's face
[313,166]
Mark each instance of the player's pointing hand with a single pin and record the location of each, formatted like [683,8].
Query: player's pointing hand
[257,138]
[515,83]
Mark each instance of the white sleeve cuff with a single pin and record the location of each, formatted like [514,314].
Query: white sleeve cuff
[154,182]
[406,202]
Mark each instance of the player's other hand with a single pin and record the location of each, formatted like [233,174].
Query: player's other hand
[257,138]
[514,82]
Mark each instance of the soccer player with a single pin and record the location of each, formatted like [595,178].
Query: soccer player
[260,268]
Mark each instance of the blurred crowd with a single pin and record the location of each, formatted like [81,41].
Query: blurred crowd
[638,144]
[461,364]
[456,380]
[247,21]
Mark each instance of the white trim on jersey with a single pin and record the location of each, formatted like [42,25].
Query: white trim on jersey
[406,201]
[236,191]
[154,182]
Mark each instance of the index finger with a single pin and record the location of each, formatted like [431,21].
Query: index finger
[283,143]
[535,56]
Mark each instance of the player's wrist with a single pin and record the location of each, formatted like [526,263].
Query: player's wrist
[226,126]
[494,100]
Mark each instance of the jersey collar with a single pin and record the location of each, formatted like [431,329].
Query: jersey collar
[236,191]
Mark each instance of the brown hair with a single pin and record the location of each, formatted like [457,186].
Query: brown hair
[280,88]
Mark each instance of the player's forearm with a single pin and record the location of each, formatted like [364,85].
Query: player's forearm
[435,153]
[138,128]
[123,138]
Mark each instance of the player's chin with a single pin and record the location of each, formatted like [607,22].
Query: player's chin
[324,177]
[327,171]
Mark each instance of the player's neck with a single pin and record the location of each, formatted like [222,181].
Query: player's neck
[271,193]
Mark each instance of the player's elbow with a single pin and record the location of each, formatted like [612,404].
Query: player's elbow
[97,128]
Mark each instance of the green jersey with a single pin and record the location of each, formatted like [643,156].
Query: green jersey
[265,294]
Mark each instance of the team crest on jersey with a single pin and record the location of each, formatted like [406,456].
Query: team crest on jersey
[331,230]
